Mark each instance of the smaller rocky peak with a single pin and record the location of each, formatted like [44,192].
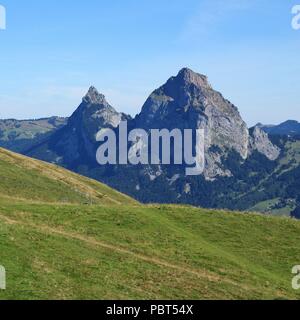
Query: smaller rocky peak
[94,97]
[94,112]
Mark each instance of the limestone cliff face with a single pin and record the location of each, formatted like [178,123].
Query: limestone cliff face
[188,101]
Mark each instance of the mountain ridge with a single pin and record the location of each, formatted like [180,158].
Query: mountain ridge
[289,127]
[233,153]
[20,135]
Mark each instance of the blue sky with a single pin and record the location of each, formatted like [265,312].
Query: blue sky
[52,51]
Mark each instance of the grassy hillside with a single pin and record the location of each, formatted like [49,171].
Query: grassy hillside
[25,178]
[60,240]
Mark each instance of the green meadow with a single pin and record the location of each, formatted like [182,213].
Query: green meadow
[63,236]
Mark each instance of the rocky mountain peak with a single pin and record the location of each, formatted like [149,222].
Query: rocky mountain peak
[94,113]
[77,140]
[185,94]
[180,93]
[188,76]
[188,101]
[94,97]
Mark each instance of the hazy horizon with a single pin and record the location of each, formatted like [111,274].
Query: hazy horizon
[133,115]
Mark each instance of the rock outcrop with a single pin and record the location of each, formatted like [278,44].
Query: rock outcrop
[259,141]
[188,101]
